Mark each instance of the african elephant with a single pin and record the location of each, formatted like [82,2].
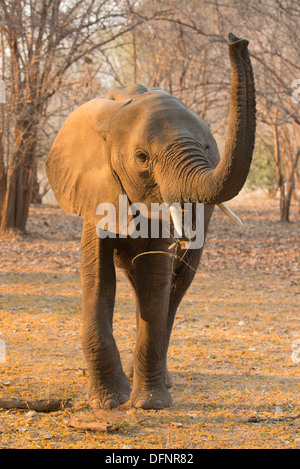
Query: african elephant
[148,145]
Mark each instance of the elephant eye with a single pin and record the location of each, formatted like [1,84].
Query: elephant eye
[207,147]
[142,157]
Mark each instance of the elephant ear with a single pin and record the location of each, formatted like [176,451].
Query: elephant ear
[78,166]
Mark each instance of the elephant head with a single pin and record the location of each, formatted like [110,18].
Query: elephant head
[148,145]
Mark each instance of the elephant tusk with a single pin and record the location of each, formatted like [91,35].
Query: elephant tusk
[176,218]
[231,215]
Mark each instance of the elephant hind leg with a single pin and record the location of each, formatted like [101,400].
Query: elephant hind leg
[128,367]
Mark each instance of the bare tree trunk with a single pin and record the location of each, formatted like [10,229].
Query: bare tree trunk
[280,181]
[36,197]
[291,186]
[297,195]
[2,177]
[134,58]
[20,178]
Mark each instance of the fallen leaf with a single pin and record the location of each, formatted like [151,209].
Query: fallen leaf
[88,425]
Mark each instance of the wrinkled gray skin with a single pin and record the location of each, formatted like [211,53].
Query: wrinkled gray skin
[149,146]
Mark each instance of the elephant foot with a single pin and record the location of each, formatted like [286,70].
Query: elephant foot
[110,402]
[108,397]
[128,370]
[151,399]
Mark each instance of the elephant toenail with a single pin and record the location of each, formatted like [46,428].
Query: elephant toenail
[95,404]
[110,404]
[158,404]
[143,404]
[124,398]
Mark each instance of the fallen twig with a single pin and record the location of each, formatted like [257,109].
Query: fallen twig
[39,405]
[175,256]
[256,419]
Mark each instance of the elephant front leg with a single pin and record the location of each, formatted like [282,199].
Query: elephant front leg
[152,281]
[108,386]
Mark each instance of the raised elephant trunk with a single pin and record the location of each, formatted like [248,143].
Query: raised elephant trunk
[224,182]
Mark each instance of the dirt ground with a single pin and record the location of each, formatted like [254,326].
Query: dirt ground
[236,383]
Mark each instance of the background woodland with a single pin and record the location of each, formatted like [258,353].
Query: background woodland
[55,55]
[234,355]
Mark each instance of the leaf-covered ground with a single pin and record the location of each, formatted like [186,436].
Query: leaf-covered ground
[235,382]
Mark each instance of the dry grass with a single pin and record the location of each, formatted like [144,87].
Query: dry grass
[230,355]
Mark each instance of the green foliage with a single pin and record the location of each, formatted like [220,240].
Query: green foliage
[262,173]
